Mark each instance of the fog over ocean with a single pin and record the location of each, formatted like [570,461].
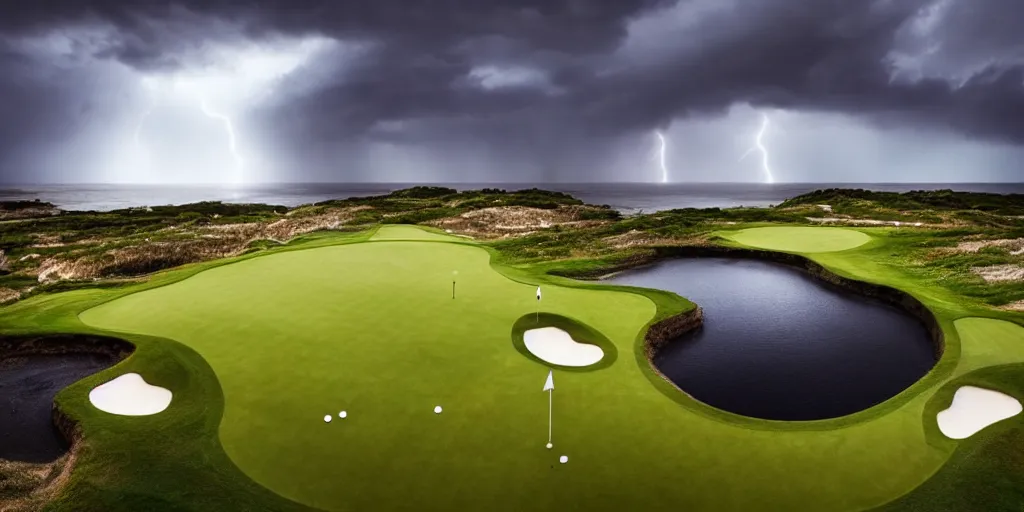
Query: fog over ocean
[626,197]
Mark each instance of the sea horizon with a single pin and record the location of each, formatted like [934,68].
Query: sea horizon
[628,197]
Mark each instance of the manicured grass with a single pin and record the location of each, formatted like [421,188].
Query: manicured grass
[982,473]
[371,328]
[985,472]
[405,232]
[987,342]
[800,239]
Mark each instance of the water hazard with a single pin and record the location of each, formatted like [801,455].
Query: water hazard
[778,344]
[27,387]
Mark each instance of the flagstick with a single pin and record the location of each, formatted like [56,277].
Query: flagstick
[536,318]
[549,386]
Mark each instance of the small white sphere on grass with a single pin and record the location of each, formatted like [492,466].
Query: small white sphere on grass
[343,414]
[563,459]
[437,409]
[327,419]
[549,446]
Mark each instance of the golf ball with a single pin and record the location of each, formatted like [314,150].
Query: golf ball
[437,410]
[563,459]
[327,419]
[342,414]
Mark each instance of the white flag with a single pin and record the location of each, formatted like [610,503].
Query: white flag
[538,293]
[550,384]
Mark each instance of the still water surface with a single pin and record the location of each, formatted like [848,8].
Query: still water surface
[27,388]
[778,344]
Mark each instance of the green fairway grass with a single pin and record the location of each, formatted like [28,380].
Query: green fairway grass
[986,472]
[257,350]
[800,239]
[988,342]
[372,329]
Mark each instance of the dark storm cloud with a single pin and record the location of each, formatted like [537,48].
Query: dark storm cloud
[548,86]
[827,55]
[576,26]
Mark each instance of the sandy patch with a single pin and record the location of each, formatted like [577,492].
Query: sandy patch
[974,409]
[867,222]
[1014,245]
[9,295]
[1014,306]
[507,221]
[556,346]
[295,225]
[635,238]
[130,395]
[1000,273]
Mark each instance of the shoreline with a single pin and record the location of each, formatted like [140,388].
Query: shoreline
[46,479]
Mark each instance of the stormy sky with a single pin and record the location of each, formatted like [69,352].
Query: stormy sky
[511,90]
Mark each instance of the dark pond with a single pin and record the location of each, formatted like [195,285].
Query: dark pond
[778,344]
[27,387]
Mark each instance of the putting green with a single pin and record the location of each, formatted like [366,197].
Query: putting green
[988,342]
[800,239]
[371,328]
[402,232]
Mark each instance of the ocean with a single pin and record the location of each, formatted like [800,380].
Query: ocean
[625,197]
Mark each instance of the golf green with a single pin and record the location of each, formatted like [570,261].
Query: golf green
[371,328]
[800,239]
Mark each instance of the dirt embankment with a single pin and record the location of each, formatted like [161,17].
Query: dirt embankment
[31,212]
[180,245]
[1000,273]
[8,295]
[26,486]
[635,238]
[674,327]
[1015,246]
[511,221]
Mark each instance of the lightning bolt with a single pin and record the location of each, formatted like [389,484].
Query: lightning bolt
[232,141]
[759,145]
[663,146]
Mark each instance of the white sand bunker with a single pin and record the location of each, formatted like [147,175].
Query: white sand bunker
[130,395]
[974,409]
[556,346]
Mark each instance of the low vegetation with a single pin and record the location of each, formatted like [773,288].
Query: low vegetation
[971,243]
